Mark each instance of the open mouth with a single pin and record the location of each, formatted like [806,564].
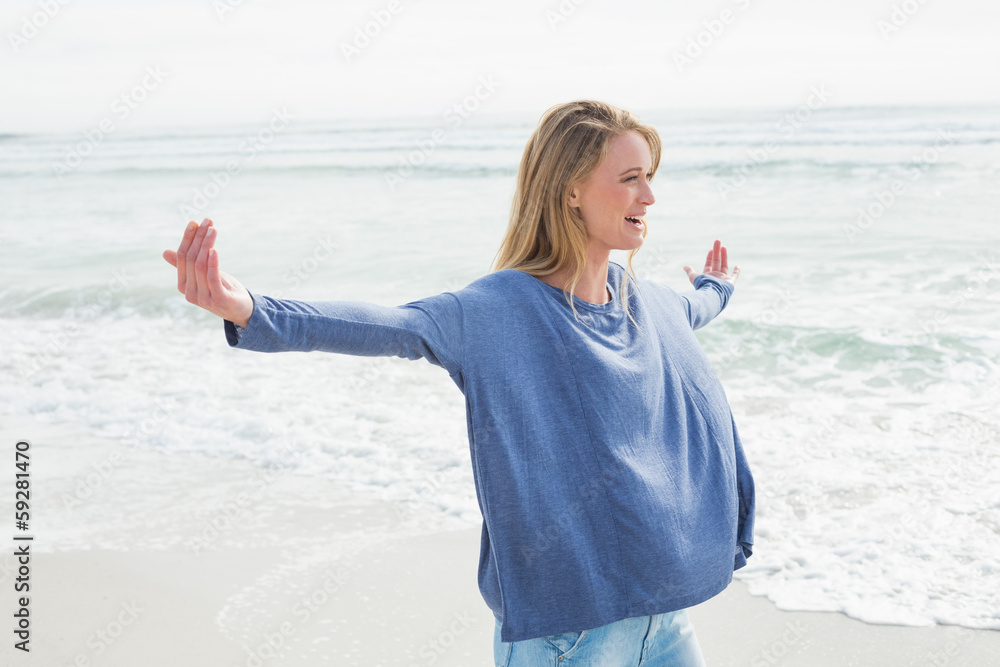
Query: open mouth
[636,222]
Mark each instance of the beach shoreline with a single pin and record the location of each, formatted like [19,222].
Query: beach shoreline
[314,575]
[413,601]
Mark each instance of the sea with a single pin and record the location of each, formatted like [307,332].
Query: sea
[860,352]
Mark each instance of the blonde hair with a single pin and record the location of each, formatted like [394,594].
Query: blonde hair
[546,234]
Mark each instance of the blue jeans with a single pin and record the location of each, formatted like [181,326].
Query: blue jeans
[662,640]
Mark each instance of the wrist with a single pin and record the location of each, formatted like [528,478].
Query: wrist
[243,319]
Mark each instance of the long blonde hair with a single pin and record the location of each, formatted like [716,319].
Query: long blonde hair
[546,234]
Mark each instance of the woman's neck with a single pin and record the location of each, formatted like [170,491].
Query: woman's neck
[591,287]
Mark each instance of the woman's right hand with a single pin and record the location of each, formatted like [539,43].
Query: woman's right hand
[200,280]
[716,265]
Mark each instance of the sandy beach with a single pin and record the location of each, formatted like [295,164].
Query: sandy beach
[308,574]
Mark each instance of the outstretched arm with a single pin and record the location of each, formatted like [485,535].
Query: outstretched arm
[429,328]
[713,286]
[200,280]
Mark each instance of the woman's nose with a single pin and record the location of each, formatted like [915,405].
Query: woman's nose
[646,196]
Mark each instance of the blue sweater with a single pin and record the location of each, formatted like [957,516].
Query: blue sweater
[608,469]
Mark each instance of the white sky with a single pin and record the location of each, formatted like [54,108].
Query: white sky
[287,53]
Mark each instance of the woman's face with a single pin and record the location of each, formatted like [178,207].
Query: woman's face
[615,192]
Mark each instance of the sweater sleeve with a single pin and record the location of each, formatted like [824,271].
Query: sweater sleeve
[708,299]
[429,328]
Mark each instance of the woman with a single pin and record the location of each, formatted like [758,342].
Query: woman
[608,469]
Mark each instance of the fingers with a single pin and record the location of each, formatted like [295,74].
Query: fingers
[214,279]
[180,256]
[736,273]
[191,259]
[717,260]
[201,266]
[170,256]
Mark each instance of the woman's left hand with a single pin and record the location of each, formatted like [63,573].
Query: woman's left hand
[716,265]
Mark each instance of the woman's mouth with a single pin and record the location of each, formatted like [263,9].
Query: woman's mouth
[635,222]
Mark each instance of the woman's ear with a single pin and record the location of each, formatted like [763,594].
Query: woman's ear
[574,197]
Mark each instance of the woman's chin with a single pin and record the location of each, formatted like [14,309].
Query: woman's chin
[632,242]
[622,242]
